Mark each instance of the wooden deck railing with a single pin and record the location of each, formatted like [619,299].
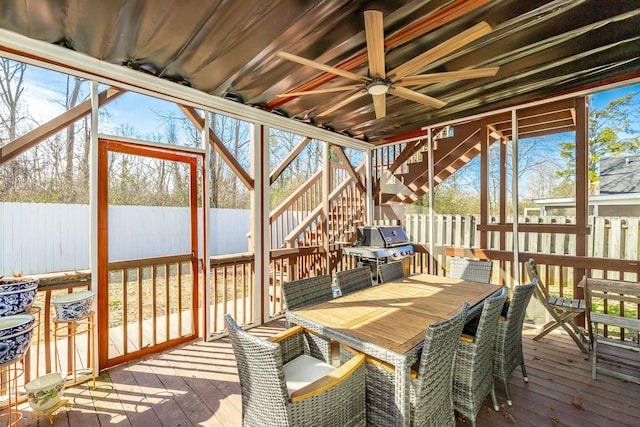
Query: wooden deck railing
[39,359]
[231,289]
[302,207]
[561,274]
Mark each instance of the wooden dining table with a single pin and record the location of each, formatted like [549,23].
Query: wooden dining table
[389,321]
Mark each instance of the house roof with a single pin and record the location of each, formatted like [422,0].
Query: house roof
[619,175]
[228,49]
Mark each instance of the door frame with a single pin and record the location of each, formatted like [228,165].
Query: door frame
[177,154]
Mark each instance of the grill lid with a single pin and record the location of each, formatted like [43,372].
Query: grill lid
[381,236]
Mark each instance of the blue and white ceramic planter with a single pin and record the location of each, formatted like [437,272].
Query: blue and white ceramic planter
[11,325]
[13,347]
[17,295]
[11,284]
[73,306]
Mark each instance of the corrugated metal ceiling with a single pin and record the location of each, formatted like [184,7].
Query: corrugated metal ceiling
[542,48]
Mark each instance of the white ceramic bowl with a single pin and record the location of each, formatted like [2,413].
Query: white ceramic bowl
[73,306]
[46,391]
[11,325]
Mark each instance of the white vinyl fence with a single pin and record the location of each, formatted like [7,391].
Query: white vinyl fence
[44,238]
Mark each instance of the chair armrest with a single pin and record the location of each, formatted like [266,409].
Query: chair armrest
[328,381]
[376,362]
[467,338]
[286,334]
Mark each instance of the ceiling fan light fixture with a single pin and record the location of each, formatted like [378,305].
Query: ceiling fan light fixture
[378,87]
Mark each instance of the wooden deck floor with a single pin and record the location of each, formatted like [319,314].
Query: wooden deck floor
[197,385]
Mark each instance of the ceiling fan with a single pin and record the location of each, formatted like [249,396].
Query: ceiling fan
[379,82]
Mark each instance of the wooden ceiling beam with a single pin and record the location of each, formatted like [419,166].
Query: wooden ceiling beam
[41,133]
[218,146]
[544,132]
[287,160]
[349,167]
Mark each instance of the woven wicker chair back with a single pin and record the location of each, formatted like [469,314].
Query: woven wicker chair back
[353,280]
[476,270]
[473,373]
[304,292]
[262,385]
[391,271]
[508,348]
[433,386]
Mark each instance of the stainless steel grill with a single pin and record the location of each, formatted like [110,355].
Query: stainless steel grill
[376,245]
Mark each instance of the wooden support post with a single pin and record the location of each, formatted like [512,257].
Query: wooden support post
[260,223]
[582,189]
[484,183]
[326,189]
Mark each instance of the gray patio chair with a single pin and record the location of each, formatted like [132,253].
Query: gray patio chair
[391,271]
[305,292]
[475,270]
[282,386]
[353,280]
[563,311]
[473,371]
[507,353]
[431,396]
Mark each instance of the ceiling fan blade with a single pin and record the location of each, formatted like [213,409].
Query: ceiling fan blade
[441,50]
[319,91]
[350,99]
[322,67]
[380,105]
[374,32]
[412,95]
[422,79]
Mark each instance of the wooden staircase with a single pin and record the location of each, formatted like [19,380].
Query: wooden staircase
[401,175]
[451,153]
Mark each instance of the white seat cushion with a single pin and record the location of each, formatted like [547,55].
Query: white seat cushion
[304,370]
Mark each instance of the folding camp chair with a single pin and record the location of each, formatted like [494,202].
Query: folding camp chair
[562,310]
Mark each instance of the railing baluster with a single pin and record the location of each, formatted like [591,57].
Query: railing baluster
[167,301]
[234,282]
[140,344]
[154,303]
[125,315]
[179,272]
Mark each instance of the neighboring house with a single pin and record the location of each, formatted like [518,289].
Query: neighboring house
[619,193]
[620,175]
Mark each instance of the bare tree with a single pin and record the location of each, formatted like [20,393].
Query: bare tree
[11,114]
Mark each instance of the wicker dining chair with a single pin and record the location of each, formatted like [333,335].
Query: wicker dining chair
[353,280]
[282,386]
[473,371]
[307,291]
[507,352]
[391,271]
[431,399]
[475,270]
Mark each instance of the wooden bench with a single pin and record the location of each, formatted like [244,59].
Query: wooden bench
[614,294]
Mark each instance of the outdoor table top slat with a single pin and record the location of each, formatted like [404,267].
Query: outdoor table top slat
[395,315]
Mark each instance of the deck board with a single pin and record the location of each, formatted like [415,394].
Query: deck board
[197,385]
